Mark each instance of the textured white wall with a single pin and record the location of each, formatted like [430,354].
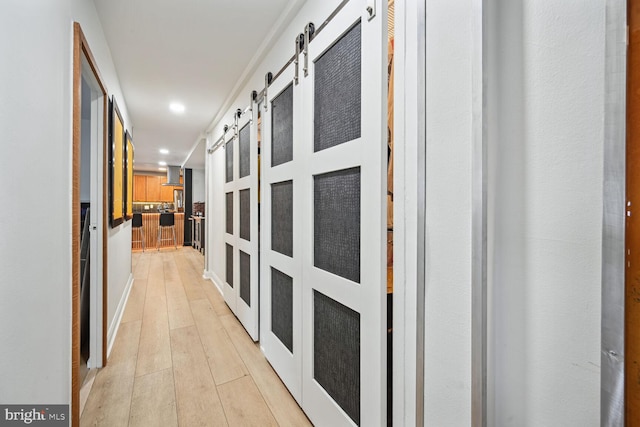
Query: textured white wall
[216,215]
[35,255]
[448,216]
[546,212]
[545,88]
[35,258]
[197,185]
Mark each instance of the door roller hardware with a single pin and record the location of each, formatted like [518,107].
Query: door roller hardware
[309,31]
[296,60]
[254,97]
[371,9]
[267,81]
[236,120]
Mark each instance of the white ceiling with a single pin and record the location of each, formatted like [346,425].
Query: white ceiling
[191,51]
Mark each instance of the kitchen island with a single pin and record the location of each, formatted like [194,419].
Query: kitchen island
[150,222]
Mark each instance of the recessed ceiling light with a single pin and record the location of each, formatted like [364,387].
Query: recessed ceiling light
[162,169]
[162,163]
[176,107]
[164,151]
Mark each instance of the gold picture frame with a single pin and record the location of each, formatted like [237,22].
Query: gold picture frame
[116,165]
[129,150]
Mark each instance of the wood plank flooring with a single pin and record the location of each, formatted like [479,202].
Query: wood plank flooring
[181,358]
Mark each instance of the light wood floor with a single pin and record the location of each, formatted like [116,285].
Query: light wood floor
[181,358]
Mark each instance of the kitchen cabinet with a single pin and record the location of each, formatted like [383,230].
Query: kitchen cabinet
[139,188]
[149,188]
[153,188]
[166,191]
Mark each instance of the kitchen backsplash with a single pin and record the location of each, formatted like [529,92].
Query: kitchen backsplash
[142,207]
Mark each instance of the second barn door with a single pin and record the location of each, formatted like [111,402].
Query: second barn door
[344,166]
[280,264]
[324,219]
[241,199]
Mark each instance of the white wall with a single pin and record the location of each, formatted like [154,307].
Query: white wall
[448,215]
[215,214]
[197,185]
[546,212]
[35,256]
[545,85]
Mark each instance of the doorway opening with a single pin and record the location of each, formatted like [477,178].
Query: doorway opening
[85,233]
[89,221]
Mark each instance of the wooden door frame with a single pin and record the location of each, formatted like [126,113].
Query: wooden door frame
[632,193]
[80,49]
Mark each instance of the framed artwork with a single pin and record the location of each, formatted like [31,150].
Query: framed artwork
[116,165]
[129,150]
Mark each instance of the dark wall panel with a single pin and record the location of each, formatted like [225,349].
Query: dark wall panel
[245,214]
[337,88]
[245,278]
[229,212]
[282,307]
[282,127]
[229,161]
[336,352]
[229,275]
[282,217]
[245,151]
[188,205]
[336,223]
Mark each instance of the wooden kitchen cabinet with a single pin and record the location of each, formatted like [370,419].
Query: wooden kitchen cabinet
[139,188]
[153,188]
[166,191]
[149,188]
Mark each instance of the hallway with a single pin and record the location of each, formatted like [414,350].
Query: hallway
[181,358]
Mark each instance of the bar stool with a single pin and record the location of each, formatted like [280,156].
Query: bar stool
[136,225]
[167,220]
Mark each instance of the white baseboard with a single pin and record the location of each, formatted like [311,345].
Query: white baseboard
[215,279]
[115,323]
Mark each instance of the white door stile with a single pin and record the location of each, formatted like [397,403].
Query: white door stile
[248,313]
[230,291]
[288,364]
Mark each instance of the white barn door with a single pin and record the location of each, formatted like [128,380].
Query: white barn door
[241,291]
[323,241]
[281,253]
[344,220]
